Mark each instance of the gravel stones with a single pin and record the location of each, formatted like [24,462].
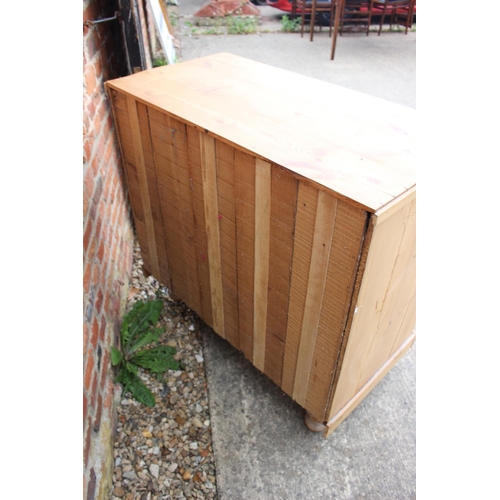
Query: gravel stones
[165,452]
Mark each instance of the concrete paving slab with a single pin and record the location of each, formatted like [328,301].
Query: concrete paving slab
[263,450]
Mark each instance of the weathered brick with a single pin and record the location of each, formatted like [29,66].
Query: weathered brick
[84,409]
[97,191]
[93,391]
[91,44]
[99,301]
[102,329]
[102,208]
[104,371]
[108,400]
[94,163]
[92,210]
[107,302]
[90,79]
[100,252]
[95,333]
[86,446]
[85,205]
[97,418]
[85,336]
[86,150]
[98,68]
[88,183]
[91,250]
[87,234]
[108,152]
[86,277]
[89,370]
[89,110]
[95,274]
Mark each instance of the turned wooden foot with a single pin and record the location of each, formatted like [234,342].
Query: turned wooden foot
[313,424]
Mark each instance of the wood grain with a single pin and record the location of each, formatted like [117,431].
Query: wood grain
[346,143]
[209,175]
[369,342]
[307,201]
[323,231]
[143,184]
[261,276]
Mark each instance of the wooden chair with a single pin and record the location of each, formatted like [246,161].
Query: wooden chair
[312,8]
[396,9]
[356,16]
[404,16]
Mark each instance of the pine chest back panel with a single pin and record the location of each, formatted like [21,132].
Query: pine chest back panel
[271,216]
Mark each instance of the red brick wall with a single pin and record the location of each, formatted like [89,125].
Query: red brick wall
[107,242]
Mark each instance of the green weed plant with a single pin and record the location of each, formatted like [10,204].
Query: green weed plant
[139,330]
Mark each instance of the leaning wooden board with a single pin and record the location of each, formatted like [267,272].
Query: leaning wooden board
[281,209]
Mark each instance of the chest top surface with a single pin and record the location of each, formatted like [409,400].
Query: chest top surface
[356,145]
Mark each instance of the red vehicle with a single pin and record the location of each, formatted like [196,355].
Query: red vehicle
[284,5]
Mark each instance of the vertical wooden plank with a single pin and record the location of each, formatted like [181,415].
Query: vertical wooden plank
[225,156]
[194,167]
[345,253]
[307,201]
[284,189]
[323,230]
[154,196]
[169,141]
[143,184]
[209,176]
[261,276]
[244,188]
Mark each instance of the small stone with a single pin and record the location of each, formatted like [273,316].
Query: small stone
[196,421]
[118,473]
[147,434]
[155,451]
[118,491]
[172,343]
[193,445]
[181,421]
[191,328]
[131,475]
[186,476]
[172,467]
[126,402]
[206,423]
[155,470]
[199,358]
[142,475]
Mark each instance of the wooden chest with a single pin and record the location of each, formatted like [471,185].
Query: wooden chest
[281,209]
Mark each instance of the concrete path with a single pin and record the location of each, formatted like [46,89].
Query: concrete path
[263,450]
